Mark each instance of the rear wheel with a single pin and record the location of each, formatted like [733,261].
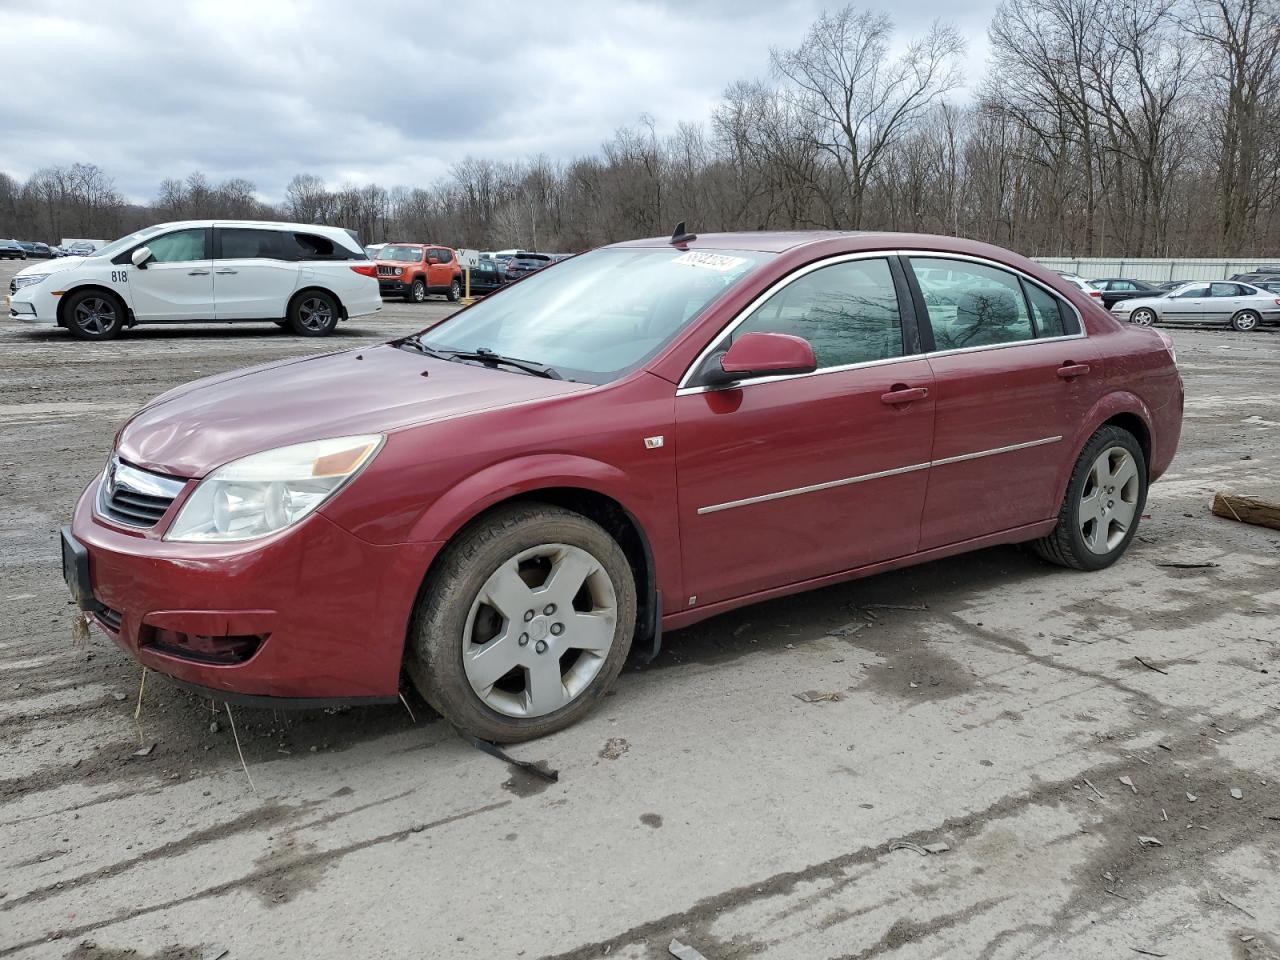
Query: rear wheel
[1143,317]
[525,622]
[455,291]
[1103,504]
[1245,321]
[418,292]
[94,315]
[313,314]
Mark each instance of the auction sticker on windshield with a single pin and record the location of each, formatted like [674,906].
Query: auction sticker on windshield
[710,261]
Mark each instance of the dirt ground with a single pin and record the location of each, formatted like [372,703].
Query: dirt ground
[989,703]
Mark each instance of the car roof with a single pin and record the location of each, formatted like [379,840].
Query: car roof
[850,241]
[268,224]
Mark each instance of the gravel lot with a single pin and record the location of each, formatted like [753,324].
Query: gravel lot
[988,702]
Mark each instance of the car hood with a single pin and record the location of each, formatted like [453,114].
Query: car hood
[56,265]
[195,428]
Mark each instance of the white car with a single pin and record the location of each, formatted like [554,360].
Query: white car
[300,276]
[1241,306]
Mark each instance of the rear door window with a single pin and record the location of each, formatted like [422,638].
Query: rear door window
[982,306]
[847,311]
[241,244]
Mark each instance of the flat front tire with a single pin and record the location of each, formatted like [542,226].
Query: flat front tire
[523,624]
[1103,504]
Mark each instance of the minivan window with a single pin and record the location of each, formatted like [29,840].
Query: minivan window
[982,306]
[310,246]
[239,244]
[181,246]
[847,311]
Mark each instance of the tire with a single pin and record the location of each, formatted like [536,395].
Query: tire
[418,292]
[455,291]
[516,553]
[314,313]
[1143,317]
[1245,321]
[94,315]
[1111,454]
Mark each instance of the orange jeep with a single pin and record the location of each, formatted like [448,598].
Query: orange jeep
[413,270]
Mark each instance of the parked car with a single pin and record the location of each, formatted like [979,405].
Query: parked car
[80,249]
[1115,289]
[1260,273]
[372,250]
[1239,305]
[486,277]
[39,251]
[12,250]
[414,270]
[1083,286]
[522,263]
[1271,286]
[650,434]
[300,276]
[1173,284]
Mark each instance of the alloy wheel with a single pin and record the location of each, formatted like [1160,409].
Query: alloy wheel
[419,292]
[1109,500]
[95,315]
[1143,318]
[315,313]
[1245,321]
[539,630]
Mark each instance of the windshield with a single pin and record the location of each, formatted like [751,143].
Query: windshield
[403,254]
[119,246]
[599,315]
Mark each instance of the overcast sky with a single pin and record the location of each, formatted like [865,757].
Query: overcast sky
[392,92]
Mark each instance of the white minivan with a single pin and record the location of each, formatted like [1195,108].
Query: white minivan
[300,276]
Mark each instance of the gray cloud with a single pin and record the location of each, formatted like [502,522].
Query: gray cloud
[393,92]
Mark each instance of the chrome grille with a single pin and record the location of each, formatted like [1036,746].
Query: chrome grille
[136,498]
[385,271]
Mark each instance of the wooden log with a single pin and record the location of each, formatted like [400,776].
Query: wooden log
[1261,513]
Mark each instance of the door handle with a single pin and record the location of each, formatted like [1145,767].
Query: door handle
[197,273]
[225,272]
[904,395]
[1069,370]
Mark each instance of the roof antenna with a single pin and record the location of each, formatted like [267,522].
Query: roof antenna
[681,235]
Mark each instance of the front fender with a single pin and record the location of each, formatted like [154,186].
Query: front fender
[510,478]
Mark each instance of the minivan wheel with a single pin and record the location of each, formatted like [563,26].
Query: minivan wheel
[314,314]
[524,623]
[1103,505]
[1143,317]
[1245,320]
[94,315]
[455,291]
[418,292]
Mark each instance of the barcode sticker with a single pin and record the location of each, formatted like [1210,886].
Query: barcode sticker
[710,261]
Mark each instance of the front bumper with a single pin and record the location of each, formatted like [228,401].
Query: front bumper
[392,288]
[327,611]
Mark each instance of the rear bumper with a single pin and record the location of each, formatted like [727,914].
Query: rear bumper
[327,612]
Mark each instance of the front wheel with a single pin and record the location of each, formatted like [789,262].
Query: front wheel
[417,292]
[93,315]
[1143,317]
[314,314]
[455,291]
[1103,505]
[1245,320]
[526,620]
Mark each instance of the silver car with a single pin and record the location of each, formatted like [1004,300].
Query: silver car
[1241,306]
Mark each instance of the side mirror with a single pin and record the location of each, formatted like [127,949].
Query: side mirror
[762,355]
[140,257]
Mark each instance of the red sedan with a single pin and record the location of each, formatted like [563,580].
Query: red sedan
[625,443]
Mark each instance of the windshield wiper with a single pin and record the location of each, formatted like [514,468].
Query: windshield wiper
[483,355]
[489,358]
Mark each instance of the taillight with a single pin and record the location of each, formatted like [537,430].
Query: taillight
[1278,302]
[366,269]
[1096,293]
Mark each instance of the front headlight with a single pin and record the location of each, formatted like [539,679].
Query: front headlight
[268,491]
[29,280]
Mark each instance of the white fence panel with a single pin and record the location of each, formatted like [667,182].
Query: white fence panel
[1153,270]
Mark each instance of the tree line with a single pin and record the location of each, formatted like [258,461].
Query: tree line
[1101,128]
